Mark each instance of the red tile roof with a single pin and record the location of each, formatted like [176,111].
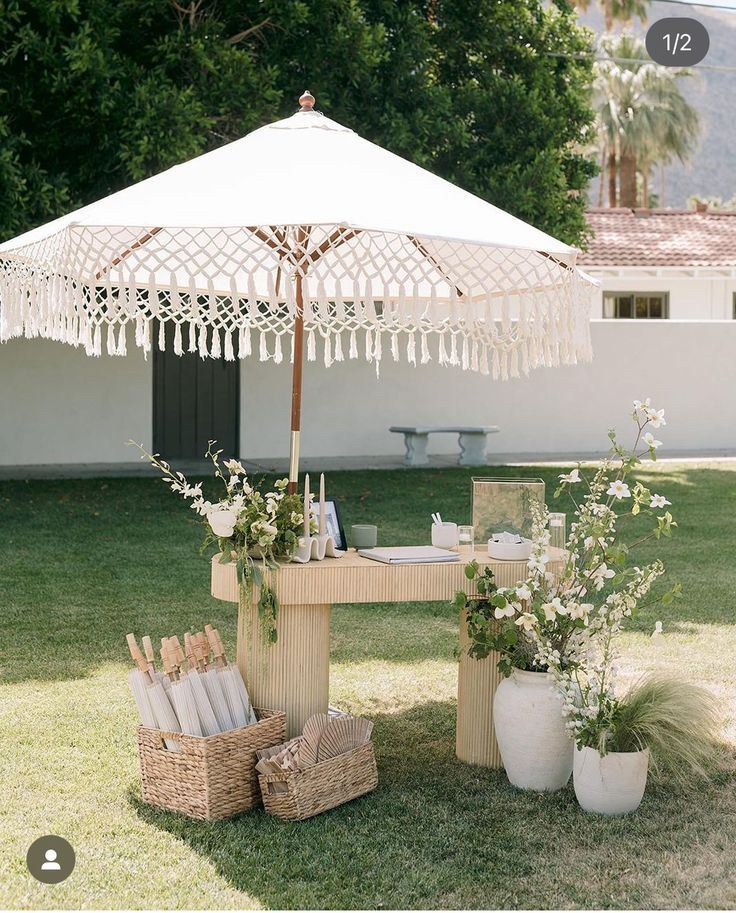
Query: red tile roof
[660,237]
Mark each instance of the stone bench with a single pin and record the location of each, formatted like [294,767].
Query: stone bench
[472,440]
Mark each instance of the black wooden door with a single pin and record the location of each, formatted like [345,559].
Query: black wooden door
[195,400]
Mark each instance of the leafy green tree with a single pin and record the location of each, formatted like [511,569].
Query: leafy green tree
[99,93]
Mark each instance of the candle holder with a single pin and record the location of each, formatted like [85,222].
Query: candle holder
[303,551]
[323,545]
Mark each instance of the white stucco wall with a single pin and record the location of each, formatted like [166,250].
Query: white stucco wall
[59,406]
[700,297]
[688,368]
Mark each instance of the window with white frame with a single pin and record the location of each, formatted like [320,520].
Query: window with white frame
[636,305]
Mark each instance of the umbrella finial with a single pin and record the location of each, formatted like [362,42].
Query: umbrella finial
[307,101]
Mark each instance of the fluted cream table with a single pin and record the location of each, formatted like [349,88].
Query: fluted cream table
[293,674]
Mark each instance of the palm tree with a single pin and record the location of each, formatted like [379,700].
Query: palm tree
[643,117]
[617,10]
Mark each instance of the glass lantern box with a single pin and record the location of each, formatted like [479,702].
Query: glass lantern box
[504,506]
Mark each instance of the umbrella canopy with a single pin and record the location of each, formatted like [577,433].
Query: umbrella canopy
[301,228]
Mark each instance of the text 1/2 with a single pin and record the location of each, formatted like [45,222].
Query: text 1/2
[680,42]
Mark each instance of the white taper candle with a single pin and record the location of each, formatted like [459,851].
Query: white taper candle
[306,506]
[322,504]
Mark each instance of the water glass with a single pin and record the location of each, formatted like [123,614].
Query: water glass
[557,530]
[466,540]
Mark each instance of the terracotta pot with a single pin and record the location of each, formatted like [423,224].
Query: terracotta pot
[530,729]
[610,784]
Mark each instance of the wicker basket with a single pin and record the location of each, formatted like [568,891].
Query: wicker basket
[298,794]
[209,778]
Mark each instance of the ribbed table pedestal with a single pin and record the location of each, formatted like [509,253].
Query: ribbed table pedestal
[477,680]
[300,656]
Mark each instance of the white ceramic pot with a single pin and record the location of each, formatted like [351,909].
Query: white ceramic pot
[610,784]
[530,729]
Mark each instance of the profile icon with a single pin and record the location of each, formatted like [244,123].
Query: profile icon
[51,865]
[50,859]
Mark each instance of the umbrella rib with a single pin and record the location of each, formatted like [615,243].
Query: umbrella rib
[426,254]
[280,247]
[555,260]
[129,250]
[335,240]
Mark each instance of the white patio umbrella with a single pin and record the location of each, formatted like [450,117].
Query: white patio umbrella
[301,228]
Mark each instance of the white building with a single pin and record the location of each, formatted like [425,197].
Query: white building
[673,272]
[663,263]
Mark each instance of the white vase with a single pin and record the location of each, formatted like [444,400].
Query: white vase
[610,784]
[530,729]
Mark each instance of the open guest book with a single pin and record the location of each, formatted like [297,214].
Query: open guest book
[409,554]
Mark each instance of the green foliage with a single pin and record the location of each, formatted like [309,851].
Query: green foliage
[268,611]
[96,96]
[487,633]
[262,527]
[677,721]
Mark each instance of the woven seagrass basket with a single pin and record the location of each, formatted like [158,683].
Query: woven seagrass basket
[298,794]
[208,778]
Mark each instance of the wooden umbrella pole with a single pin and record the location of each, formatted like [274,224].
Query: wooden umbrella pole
[296,386]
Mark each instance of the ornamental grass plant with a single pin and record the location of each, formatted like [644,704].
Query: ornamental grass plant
[678,722]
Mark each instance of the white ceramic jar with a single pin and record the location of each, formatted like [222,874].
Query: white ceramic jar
[445,536]
[536,750]
[610,784]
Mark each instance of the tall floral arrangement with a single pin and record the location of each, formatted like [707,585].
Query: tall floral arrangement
[565,618]
[249,525]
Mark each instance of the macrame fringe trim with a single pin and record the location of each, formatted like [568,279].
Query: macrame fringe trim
[498,336]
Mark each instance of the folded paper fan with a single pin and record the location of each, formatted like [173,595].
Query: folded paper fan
[314,730]
[344,734]
[268,766]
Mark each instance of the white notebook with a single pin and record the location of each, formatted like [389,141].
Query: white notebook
[409,554]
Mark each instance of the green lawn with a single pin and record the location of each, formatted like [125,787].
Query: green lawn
[83,563]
